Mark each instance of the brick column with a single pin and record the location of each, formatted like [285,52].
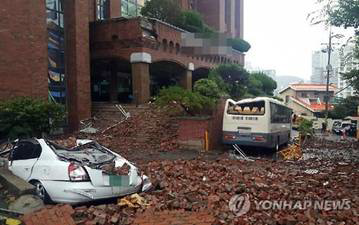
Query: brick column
[115,8]
[141,77]
[77,58]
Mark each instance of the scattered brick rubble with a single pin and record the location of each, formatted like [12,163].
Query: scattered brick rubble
[152,130]
[202,185]
[54,215]
[179,217]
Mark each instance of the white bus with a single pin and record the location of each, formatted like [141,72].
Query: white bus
[262,122]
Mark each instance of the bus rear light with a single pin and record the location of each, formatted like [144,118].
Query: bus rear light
[229,137]
[258,138]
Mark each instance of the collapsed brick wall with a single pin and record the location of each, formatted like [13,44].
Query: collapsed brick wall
[191,132]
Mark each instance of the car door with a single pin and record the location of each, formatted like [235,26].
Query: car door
[23,158]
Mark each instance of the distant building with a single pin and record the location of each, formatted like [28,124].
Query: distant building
[319,67]
[284,81]
[306,99]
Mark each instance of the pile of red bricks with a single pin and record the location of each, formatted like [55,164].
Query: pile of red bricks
[178,217]
[54,215]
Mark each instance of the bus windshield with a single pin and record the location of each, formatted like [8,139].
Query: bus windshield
[250,108]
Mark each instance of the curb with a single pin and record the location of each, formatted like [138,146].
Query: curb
[15,184]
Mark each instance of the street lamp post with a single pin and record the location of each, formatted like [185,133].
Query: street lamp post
[329,68]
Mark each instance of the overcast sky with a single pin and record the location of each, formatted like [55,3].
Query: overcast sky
[281,36]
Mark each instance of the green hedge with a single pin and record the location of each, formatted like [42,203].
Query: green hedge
[27,117]
[192,102]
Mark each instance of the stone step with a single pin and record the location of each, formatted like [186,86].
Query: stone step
[110,111]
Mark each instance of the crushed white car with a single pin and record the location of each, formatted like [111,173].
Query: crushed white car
[81,174]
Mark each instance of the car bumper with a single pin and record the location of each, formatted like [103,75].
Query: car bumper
[80,192]
[232,138]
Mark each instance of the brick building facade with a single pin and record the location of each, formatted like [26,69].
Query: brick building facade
[80,51]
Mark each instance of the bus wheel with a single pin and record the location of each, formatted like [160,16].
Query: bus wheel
[276,146]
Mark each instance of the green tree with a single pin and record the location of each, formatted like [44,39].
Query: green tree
[345,107]
[208,88]
[254,87]
[166,10]
[231,79]
[191,21]
[264,85]
[345,13]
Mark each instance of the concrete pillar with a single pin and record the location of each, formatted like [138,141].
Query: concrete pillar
[141,77]
[77,61]
[186,78]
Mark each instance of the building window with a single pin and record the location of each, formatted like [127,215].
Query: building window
[102,9]
[304,95]
[56,50]
[131,8]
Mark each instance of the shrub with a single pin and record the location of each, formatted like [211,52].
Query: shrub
[208,88]
[191,21]
[26,117]
[164,10]
[239,44]
[305,127]
[192,102]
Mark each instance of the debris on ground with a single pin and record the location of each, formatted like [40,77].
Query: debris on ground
[133,201]
[326,171]
[292,152]
[151,131]
[179,217]
[180,185]
[26,204]
[56,215]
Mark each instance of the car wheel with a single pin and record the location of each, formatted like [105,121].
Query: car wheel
[41,191]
